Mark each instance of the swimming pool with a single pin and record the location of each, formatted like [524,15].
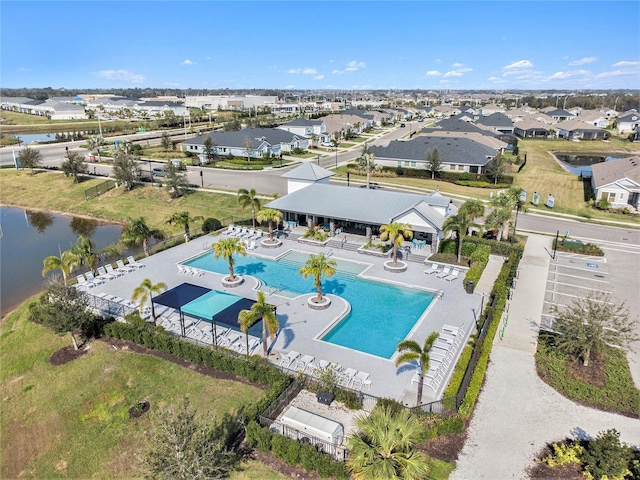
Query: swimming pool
[381,314]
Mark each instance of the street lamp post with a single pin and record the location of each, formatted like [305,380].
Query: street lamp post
[336,156]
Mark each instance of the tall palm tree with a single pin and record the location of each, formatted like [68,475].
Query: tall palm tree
[144,291]
[367,163]
[397,233]
[249,198]
[410,351]
[85,250]
[317,266]
[227,248]
[384,447]
[65,262]
[183,219]
[460,224]
[137,233]
[473,207]
[503,205]
[260,310]
[270,215]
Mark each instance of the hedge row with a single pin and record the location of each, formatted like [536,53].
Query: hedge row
[479,259]
[578,247]
[254,369]
[449,176]
[479,184]
[294,452]
[500,292]
[470,243]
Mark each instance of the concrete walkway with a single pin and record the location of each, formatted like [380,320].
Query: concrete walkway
[517,413]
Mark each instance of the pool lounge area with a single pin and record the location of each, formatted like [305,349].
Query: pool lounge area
[311,332]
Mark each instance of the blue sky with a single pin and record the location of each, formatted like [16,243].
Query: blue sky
[321,45]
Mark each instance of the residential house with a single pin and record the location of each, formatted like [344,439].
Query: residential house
[230,102]
[559,115]
[250,143]
[531,128]
[617,181]
[490,109]
[58,108]
[594,117]
[457,154]
[338,124]
[498,122]
[628,122]
[576,129]
[308,128]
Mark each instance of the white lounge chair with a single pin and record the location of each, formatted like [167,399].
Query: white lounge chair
[433,269]
[252,245]
[123,268]
[102,273]
[259,233]
[230,230]
[183,269]
[301,364]
[133,263]
[230,339]
[288,359]
[361,380]
[346,377]
[83,282]
[93,279]
[445,272]
[112,271]
[453,276]
[455,331]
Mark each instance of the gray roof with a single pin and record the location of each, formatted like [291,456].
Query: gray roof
[376,207]
[273,136]
[302,122]
[452,150]
[308,171]
[496,120]
[559,112]
[608,172]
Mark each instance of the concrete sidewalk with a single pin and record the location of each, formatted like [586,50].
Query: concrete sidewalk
[517,413]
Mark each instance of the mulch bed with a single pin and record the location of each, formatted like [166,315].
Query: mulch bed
[201,369]
[445,447]
[136,411]
[66,354]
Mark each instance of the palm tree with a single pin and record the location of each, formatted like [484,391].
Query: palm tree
[183,219]
[460,224]
[137,233]
[85,251]
[65,262]
[473,207]
[317,266]
[503,205]
[144,292]
[249,198]
[227,248]
[270,215]
[410,352]
[367,163]
[397,233]
[260,310]
[384,447]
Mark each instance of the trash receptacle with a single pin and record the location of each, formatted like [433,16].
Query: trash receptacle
[470,287]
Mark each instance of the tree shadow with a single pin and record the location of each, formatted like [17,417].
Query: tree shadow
[251,269]
[334,287]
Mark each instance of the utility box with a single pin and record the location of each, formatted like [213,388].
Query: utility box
[325,398]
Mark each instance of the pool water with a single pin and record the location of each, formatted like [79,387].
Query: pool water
[381,314]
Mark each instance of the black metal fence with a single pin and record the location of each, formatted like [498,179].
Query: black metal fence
[99,189]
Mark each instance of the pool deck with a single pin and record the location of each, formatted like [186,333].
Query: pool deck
[301,326]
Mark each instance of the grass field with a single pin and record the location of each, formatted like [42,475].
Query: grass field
[72,420]
[55,192]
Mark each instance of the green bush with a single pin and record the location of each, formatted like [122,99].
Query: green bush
[445,426]
[563,454]
[280,447]
[479,184]
[394,406]
[576,246]
[458,372]
[479,259]
[211,225]
[450,245]
[308,457]
[259,437]
[399,171]
[606,457]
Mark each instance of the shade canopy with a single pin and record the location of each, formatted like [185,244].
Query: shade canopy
[219,306]
[180,296]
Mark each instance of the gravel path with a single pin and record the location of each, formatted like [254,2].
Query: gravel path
[517,414]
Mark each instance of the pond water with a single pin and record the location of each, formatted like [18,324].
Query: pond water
[581,164]
[28,138]
[27,237]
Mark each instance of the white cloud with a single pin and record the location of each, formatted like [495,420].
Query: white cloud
[355,64]
[519,65]
[452,73]
[559,75]
[438,60]
[456,65]
[582,61]
[295,70]
[337,72]
[318,77]
[310,71]
[124,75]
[626,64]
[433,73]
[464,70]
[615,73]
[289,87]
[171,84]
[189,62]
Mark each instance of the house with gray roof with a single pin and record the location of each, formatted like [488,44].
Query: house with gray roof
[531,128]
[628,122]
[576,129]
[559,115]
[308,128]
[617,181]
[250,143]
[497,121]
[457,154]
[305,175]
[362,210]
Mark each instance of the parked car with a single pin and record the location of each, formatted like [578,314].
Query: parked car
[490,234]
[402,125]
[158,171]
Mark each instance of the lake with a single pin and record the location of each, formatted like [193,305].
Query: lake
[29,138]
[581,164]
[27,237]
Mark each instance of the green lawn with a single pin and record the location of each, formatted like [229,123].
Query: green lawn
[58,193]
[72,420]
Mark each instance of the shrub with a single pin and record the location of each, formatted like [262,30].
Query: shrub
[479,259]
[211,225]
[399,171]
[606,456]
[445,426]
[259,437]
[391,404]
[280,446]
[603,204]
[563,454]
